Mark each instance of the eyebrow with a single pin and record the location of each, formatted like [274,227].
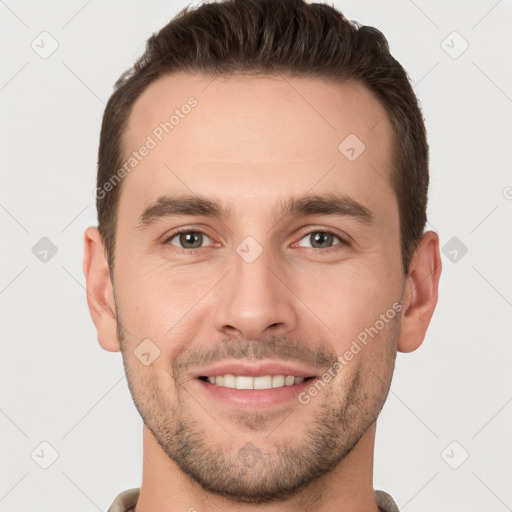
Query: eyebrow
[311,204]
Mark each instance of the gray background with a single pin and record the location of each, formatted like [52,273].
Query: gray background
[448,400]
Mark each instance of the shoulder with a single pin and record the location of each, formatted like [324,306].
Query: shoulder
[385,502]
[125,500]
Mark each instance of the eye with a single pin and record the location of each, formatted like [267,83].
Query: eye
[188,239]
[321,239]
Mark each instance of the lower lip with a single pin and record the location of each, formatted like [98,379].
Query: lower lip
[255,398]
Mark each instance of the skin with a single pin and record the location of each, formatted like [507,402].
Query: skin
[250,144]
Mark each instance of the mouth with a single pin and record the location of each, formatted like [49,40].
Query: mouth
[254,386]
[248,382]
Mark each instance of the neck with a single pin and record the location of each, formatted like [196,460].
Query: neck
[349,486]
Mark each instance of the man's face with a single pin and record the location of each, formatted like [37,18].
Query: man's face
[258,291]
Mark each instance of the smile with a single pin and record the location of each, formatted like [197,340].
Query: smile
[249,382]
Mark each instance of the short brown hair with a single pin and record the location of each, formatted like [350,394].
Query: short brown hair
[270,37]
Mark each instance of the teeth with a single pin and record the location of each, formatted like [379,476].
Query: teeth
[278,381]
[262,382]
[244,382]
[248,382]
[289,381]
[229,381]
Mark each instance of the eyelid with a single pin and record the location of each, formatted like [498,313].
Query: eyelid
[186,229]
[344,239]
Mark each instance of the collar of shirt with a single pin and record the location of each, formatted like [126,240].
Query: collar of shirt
[126,501]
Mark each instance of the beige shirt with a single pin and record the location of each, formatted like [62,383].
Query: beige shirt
[126,500]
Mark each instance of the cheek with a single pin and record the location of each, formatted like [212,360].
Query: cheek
[349,298]
[159,301]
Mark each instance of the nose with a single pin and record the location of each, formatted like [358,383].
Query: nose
[255,301]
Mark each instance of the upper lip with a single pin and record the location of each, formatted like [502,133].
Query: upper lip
[255,369]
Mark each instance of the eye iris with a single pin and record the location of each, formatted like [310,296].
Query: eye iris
[319,239]
[193,238]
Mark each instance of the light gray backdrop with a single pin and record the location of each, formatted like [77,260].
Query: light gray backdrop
[443,438]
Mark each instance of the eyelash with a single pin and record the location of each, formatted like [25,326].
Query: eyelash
[342,241]
[182,250]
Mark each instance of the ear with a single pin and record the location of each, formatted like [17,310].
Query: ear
[100,294]
[420,295]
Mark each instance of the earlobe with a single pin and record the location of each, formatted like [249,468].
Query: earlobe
[421,291]
[100,295]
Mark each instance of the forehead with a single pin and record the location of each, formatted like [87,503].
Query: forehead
[250,140]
